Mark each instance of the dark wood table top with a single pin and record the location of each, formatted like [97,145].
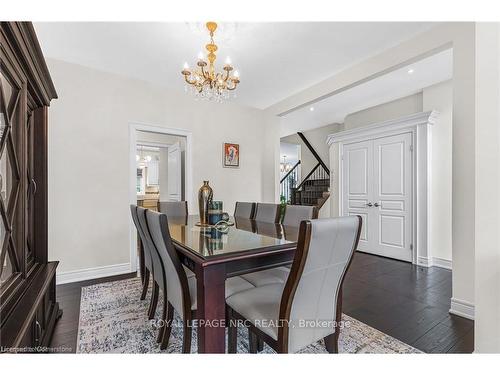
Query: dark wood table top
[246,236]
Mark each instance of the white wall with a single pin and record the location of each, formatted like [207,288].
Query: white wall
[439,97]
[487,267]
[89,218]
[391,110]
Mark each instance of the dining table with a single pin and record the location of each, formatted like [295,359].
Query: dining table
[217,253]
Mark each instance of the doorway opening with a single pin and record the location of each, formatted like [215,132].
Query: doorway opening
[160,165]
[160,171]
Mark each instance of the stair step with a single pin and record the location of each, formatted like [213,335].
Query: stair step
[316,188]
[325,181]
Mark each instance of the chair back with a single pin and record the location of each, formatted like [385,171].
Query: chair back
[295,214]
[245,210]
[311,295]
[158,272]
[267,212]
[177,284]
[147,256]
[173,208]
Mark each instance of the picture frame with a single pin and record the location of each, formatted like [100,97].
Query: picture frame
[230,155]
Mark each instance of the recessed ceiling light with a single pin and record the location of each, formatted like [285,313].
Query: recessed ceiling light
[311,109]
[411,71]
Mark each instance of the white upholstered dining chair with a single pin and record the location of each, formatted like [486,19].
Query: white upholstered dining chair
[308,306]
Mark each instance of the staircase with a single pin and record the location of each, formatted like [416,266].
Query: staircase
[313,190]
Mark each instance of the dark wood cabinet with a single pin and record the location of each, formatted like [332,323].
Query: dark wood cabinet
[28,306]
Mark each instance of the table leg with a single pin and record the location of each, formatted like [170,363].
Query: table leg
[211,309]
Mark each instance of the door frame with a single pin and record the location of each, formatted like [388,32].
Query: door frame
[188,191]
[418,125]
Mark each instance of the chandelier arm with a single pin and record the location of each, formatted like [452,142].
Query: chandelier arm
[186,78]
[204,72]
[231,88]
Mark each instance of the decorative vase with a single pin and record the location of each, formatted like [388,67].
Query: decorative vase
[205,195]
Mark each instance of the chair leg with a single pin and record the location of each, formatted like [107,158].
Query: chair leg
[252,342]
[331,343]
[232,332]
[154,301]
[168,326]
[163,317]
[186,339]
[145,284]
[260,344]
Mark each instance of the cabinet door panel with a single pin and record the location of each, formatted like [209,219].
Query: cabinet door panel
[11,133]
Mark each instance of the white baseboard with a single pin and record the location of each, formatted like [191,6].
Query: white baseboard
[424,262]
[442,263]
[462,308]
[434,262]
[92,273]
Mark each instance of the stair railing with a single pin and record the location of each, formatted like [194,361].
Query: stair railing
[313,152]
[288,183]
[319,177]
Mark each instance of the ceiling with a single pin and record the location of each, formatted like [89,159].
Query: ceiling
[275,60]
[397,84]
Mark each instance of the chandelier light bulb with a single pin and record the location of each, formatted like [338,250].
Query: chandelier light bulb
[186,66]
[200,55]
[228,60]
[236,74]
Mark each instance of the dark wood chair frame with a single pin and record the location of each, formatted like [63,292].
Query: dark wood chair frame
[256,336]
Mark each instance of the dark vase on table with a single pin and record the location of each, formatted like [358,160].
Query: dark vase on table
[205,195]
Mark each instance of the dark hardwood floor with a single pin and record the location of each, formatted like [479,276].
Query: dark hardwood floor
[408,302]
[405,301]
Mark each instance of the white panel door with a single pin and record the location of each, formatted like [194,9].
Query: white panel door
[377,185]
[392,192]
[174,179]
[357,187]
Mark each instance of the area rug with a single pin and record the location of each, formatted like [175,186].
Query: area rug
[114,320]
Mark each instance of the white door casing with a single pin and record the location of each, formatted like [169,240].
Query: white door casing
[174,180]
[133,128]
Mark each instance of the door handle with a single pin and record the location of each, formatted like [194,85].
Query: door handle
[369,204]
[376,205]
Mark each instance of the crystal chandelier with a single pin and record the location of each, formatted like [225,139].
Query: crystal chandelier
[285,167]
[205,82]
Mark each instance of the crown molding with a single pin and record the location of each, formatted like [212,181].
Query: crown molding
[410,121]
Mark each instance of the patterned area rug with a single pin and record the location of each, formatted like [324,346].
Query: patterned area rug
[114,320]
